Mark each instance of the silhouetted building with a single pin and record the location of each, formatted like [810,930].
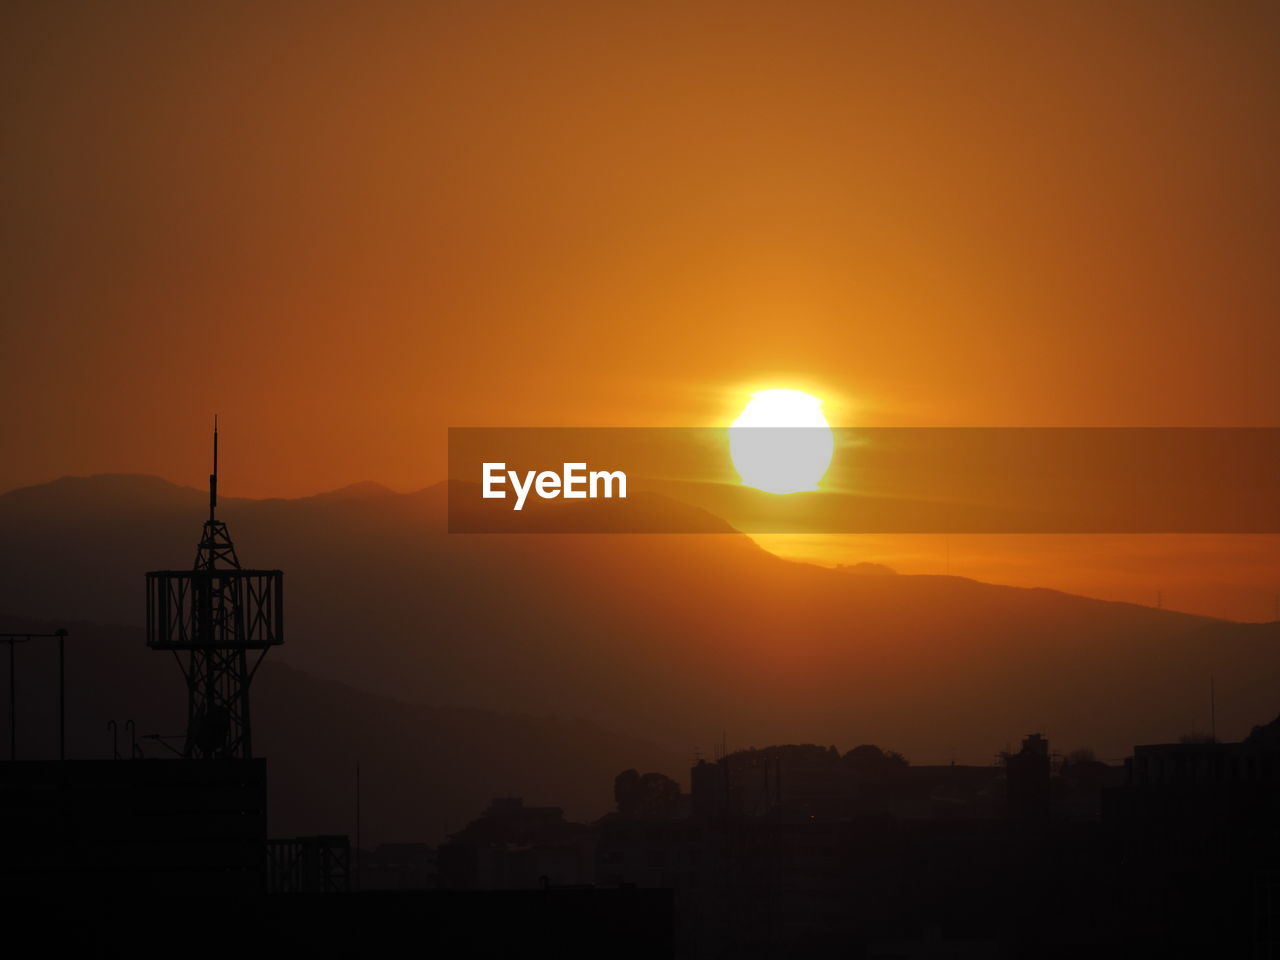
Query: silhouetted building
[1027,773]
[795,850]
[653,853]
[815,781]
[135,826]
[750,783]
[398,866]
[515,847]
[1205,800]
[1196,825]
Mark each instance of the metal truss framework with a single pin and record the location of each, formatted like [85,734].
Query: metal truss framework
[309,864]
[215,614]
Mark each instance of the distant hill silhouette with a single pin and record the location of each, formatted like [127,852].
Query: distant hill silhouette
[364,490]
[671,638]
[424,770]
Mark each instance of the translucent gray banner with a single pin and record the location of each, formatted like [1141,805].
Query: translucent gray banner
[864,480]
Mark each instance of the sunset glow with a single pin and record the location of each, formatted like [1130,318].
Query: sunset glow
[614,387]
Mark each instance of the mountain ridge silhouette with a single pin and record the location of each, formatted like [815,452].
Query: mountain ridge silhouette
[671,638]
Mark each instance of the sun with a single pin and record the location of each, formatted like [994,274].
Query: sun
[781,442]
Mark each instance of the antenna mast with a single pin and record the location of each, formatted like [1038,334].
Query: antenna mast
[216,613]
[213,477]
[1213,710]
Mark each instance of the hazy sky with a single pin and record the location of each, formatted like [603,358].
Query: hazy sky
[347,227]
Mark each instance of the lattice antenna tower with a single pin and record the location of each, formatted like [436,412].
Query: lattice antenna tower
[213,618]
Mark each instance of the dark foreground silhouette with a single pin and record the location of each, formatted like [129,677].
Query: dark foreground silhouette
[796,850]
[784,851]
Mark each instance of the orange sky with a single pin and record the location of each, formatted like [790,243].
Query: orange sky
[347,228]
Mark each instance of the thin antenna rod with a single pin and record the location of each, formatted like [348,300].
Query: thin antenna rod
[213,477]
[1213,711]
[357,825]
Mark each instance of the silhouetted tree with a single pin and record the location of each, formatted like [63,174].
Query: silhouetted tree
[1267,733]
[866,567]
[870,760]
[626,787]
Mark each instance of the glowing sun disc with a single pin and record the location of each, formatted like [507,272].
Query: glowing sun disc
[781,442]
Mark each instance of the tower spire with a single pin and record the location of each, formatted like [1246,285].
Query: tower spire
[213,477]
